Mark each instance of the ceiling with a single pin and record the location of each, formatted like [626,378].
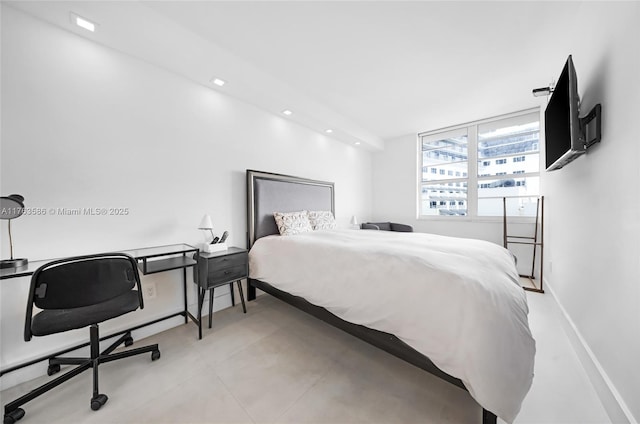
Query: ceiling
[370,71]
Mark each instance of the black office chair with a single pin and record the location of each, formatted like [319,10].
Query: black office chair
[75,293]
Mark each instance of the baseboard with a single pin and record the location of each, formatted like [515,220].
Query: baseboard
[612,402]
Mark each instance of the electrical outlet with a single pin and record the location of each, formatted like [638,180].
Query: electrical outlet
[149,290]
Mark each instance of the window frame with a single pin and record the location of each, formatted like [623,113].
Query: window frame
[473,179]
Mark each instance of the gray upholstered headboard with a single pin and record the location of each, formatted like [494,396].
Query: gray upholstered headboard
[268,193]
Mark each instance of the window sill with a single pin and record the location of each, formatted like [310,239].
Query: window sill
[480,219]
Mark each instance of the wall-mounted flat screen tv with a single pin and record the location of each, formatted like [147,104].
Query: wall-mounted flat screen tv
[562,123]
[568,136]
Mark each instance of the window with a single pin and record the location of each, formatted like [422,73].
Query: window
[447,152]
[475,166]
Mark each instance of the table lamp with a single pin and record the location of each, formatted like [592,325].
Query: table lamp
[11,207]
[354,222]
[206,224]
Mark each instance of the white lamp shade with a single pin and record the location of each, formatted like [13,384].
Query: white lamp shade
[354,220]
[206,223]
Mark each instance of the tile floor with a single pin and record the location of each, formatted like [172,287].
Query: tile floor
[276,364]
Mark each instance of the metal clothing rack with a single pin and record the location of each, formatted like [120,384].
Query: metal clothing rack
[534,241]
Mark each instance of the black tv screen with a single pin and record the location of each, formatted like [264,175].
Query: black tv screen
[562,124]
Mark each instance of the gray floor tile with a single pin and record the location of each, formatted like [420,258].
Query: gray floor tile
[277,364]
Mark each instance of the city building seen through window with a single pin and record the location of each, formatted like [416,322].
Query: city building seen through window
[468,170]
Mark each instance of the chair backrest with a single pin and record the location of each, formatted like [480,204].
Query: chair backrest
[82,281]
[387,226]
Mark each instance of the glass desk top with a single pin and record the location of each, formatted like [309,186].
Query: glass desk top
[150,252]
[141,254]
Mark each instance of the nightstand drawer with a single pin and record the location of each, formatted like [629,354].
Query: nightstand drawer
[227,261]
[223,275]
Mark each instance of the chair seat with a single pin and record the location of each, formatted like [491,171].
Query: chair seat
[51,321]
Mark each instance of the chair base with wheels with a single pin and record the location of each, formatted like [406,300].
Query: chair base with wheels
[12,410]
[76,293]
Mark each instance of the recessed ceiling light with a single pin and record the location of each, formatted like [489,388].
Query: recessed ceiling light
[83,23]
[328,131]
[357,143]
[287,112]
[218,82]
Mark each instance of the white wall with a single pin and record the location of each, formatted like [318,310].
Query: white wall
[593,237]
[592,207]
[87,126]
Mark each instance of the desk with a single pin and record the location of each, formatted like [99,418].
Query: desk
[150,261]
[147,258]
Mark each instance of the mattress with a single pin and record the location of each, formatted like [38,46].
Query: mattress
[457,301]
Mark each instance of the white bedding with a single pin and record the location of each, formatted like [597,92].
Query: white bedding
[457,301]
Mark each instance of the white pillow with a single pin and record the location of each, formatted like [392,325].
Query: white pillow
[322,220]
[290,223]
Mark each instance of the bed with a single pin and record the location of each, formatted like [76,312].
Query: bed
[438,329]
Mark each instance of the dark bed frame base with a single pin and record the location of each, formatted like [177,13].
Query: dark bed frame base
[379,339]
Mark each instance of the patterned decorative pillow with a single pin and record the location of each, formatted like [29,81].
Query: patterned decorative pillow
[290,223]
[322,220]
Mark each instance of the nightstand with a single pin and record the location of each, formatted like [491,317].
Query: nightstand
[217,269]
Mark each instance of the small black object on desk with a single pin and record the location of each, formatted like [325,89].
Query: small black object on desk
[12,207]
[217,269]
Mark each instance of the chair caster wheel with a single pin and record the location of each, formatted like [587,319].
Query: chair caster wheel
[128,341]
[98,401]
[13,416]
[53,369]
[155,355]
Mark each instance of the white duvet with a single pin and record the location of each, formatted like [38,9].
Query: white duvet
[457,301]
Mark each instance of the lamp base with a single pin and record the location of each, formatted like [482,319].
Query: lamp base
[13,263]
